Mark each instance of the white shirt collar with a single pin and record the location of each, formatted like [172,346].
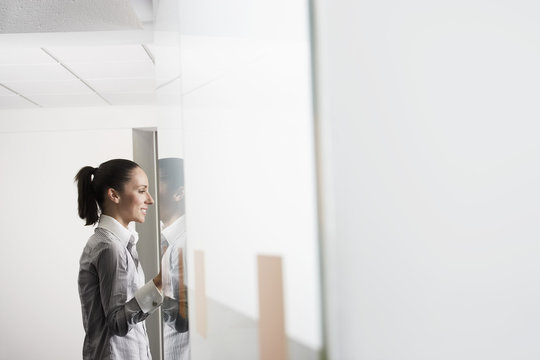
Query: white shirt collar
[172,232]
[111,224]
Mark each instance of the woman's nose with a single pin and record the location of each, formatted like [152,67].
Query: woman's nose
[149,199]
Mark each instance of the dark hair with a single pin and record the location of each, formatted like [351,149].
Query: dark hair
[111,174]
[171,171]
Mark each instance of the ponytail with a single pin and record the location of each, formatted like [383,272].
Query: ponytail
[88,207]
[93,183]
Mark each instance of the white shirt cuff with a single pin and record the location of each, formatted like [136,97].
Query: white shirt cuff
[149,297]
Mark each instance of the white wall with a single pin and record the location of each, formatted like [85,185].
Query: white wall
[430,154]
[42,237]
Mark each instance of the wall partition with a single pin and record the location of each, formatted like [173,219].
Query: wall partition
[244,131]
[429,120]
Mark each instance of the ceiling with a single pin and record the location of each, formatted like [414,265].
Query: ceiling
[76,76]
[61,53]
[30,16]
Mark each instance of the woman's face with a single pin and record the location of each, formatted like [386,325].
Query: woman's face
[134,198]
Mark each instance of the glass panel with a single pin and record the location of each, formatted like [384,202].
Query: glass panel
[234,93]
[250,180]
[171,194]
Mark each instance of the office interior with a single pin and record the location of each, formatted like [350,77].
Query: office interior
[361,178]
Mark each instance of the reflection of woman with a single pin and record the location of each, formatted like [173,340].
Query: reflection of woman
[114,298]
[173,240]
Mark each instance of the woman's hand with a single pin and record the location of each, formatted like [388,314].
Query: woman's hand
[157,280]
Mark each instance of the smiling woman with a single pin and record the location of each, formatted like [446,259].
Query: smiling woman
[132,202]
[114,298]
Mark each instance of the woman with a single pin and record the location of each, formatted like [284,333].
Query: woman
[114,298]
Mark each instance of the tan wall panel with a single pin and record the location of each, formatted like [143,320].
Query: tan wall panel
[200,295]
[272,338]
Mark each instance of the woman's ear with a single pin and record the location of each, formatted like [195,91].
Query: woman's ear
[113,195]
[179,194]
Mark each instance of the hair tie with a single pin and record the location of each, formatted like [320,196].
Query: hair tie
[93,174]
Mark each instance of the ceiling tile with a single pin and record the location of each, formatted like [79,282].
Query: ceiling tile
[24,56]
[140,69]
[122,85]
[170,94]
[171,86]
[8,102]
[39,72]
[131,98]
[167,62]
[49,87]
[68,100]
[100,54]
[152,48]
[5,92]
[123,74]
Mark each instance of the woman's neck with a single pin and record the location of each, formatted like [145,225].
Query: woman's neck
[116,217]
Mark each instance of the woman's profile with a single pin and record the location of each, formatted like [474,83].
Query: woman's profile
[114,296]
